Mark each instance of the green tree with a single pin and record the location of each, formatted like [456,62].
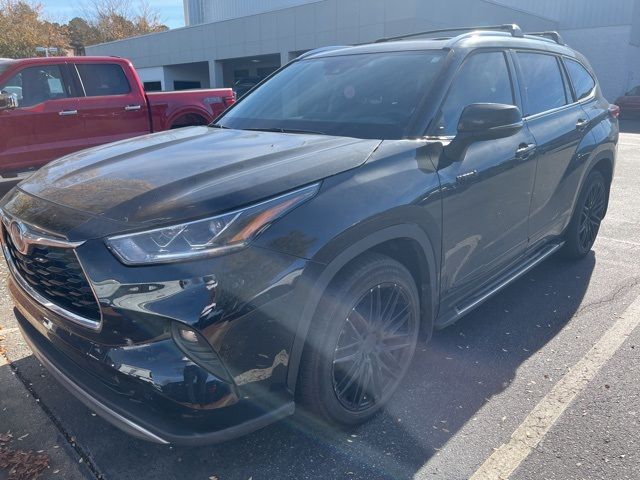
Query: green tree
[23,29]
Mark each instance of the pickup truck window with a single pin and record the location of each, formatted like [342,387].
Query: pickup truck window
[373,95]
[35,85]
[103,79]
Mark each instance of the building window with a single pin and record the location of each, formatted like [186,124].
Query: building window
[152,86]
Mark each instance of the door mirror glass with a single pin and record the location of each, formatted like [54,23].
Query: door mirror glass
[486,121]
[8,101]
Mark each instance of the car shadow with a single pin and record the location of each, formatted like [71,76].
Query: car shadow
[450,379]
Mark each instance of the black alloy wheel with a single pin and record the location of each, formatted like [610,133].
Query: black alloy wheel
[373,346]
[591,215]
[361,341]
[587,216]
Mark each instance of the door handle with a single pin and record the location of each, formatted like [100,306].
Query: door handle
[525,151]
[130,108]
[467,176]
[582,124]
[66,113]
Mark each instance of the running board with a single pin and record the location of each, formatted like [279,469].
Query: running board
[491,291]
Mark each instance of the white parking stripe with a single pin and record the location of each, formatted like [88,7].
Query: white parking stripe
[501,464]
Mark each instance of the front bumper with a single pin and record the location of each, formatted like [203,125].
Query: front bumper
[135,405]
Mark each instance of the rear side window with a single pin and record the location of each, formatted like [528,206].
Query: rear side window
[483,78]
[583,82]
[35,85]
[103,79]
[544,88]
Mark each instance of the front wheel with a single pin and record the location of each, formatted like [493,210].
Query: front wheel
[585,223]
[361,342]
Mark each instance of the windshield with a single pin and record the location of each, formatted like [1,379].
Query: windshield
[362,96]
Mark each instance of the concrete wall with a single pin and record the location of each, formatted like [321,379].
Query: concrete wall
[191,72]
[152,74]
[610,46]
[615,61]
[327,22]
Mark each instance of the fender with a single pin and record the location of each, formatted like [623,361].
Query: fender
[603,152]
[322,281]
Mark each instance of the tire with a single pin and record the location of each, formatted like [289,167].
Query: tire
[587,216]
[354,361]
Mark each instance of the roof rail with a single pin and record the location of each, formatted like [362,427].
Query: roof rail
[319,50]
[513,29]
[551,35]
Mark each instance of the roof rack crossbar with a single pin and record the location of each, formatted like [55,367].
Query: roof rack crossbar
[551,35]
[513,29]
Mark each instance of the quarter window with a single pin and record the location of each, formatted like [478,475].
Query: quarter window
[583,82]
[483,78]
[103,79]
[544,88]
[35,85]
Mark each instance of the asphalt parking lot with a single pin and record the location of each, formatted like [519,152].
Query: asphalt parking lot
[470,391]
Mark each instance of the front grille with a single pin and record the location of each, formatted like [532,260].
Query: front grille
[55,274]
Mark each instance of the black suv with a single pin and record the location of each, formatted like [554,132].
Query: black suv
[191,286]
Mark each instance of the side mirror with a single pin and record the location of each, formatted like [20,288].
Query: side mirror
[488,121]
[8,101]
[484,121]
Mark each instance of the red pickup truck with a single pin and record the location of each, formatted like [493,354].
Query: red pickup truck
[53,106]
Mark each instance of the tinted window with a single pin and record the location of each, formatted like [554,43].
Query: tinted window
[364,96]
[35,85]
[543,85]
[583,82]
[483,78]
[100,79]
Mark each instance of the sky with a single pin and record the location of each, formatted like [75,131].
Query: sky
[171,11]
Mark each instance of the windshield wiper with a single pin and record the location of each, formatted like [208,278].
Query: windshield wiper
[285,130]
[217,125]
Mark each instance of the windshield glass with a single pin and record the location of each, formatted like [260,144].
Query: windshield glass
[362,96]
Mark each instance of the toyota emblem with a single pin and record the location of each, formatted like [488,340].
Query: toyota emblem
[16,231]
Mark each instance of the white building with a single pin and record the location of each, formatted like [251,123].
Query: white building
[226,40]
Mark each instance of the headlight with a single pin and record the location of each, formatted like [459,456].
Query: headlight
[204,238]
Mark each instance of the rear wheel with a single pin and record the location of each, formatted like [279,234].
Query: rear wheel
[361,342]
[585,224]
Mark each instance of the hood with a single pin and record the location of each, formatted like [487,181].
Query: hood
[191,172]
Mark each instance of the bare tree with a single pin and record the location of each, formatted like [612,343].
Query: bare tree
[117,19]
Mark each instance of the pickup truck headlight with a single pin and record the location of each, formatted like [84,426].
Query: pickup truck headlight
[208,237]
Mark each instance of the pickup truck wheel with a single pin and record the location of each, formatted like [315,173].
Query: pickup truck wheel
[189,120]
[361,341]
[589,212]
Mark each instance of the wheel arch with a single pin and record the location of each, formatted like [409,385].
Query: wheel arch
[175,116]
[387,241]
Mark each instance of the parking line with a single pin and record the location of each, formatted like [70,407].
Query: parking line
[502,463]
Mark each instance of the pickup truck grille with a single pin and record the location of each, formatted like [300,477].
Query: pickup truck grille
[55,274]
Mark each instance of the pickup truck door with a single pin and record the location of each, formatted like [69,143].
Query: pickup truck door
[45,125]
[113,107]
[486,192]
